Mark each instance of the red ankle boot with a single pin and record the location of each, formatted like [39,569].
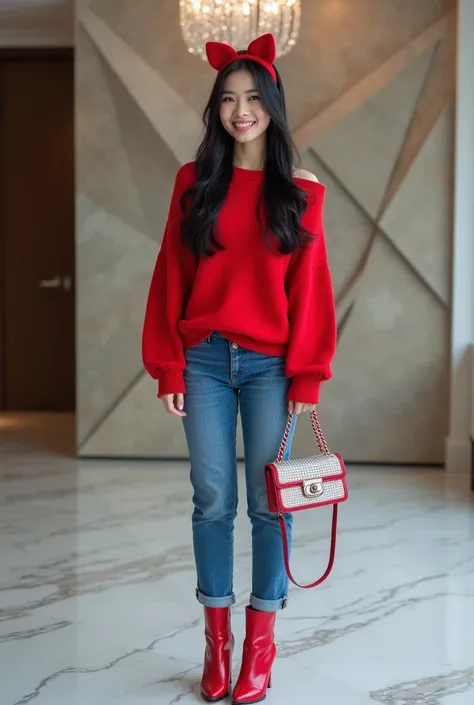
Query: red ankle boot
[259,655]
[216,677]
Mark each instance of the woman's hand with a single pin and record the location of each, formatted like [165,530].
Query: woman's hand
[174,404]
[297,407]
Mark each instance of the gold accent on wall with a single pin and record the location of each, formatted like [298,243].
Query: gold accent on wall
[437,93]
[305,135]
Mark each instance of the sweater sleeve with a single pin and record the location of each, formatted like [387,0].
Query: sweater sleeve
[311,308]
[171,285]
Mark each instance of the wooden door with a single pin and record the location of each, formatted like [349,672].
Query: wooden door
[37,229]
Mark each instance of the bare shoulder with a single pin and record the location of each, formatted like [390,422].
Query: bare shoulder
[306,175]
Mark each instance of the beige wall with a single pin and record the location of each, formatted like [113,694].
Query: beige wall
[370,92]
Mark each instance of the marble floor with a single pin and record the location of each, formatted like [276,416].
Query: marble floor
[97,599]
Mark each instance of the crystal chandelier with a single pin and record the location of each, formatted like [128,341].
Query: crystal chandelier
[238,22]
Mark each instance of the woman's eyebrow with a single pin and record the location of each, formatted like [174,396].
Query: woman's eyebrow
[250,90]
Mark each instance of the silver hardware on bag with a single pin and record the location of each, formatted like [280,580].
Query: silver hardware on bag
[313,488]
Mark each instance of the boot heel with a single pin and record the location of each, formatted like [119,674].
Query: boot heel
[269,681]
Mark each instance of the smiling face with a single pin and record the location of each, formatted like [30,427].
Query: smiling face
[241,110]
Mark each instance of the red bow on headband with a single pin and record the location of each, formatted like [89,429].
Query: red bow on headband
[262,50]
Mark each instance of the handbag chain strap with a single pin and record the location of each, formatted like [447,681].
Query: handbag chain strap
[323,446]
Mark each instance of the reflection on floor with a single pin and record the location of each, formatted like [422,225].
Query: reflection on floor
[97,585]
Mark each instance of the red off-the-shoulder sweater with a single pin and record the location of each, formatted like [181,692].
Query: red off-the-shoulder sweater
[271,303]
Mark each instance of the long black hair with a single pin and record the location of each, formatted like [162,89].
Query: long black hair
[282,201]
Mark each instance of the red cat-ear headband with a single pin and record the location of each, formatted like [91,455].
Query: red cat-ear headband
[262,50]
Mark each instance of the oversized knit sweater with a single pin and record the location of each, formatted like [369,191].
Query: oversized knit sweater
[275,304]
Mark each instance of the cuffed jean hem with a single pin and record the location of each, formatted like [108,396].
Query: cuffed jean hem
[267,605]
[207,601]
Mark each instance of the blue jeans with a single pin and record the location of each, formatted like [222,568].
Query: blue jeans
[220,377]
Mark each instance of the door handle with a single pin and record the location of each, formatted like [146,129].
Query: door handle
[56,283]
[50,283]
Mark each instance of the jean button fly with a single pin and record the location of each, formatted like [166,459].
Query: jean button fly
[235,346]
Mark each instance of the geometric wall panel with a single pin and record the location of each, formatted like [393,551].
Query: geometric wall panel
[388,399]
[344,41]
[104,173]
[157,434]
[347,227]
[151,164]
[151,29]
[115,263]
[363,149]
[171,117]
[423,233]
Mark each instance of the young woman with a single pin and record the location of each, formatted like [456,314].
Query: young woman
[240,314]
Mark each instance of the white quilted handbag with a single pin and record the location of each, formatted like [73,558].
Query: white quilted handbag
[306,483]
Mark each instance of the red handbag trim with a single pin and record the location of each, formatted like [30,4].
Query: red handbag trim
[276,505]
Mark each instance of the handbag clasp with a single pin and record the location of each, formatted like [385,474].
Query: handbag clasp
[313,488]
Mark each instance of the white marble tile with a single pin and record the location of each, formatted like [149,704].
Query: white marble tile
[97,582]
